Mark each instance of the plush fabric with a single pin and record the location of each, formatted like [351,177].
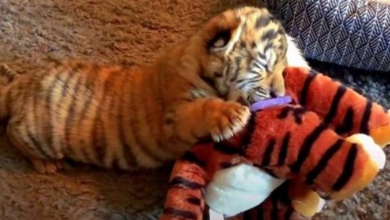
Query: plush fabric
[313,143]
[352,33]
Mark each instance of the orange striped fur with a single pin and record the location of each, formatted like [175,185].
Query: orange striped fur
[346,111]
[109,116]
[306,141]
[142,116]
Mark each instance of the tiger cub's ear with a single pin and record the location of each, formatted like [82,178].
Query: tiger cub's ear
[219,43]
[217,32]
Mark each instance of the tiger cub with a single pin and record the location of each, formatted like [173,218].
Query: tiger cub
[143,116]
[256,55]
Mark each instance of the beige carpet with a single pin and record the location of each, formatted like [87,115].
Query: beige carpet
[107,31]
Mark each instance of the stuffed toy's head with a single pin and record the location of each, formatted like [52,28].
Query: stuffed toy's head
[326,144]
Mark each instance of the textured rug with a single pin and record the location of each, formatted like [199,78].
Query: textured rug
[125,31]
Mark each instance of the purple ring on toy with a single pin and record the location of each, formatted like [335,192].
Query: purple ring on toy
[263,104]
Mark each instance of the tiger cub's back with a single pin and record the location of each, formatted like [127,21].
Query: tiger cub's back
[91,113]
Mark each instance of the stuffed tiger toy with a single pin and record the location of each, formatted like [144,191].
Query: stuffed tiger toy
[142,116]
[329,139]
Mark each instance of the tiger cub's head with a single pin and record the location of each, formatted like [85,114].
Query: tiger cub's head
[245,54]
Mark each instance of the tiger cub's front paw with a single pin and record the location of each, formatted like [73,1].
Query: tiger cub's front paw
[226,119]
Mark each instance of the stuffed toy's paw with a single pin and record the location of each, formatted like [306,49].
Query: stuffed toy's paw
[304,200]
[373,149]
[239,188]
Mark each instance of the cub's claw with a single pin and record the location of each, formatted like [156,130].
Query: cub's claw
[229,120]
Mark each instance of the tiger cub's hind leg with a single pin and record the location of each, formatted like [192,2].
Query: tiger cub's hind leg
[47,167]
[42,163]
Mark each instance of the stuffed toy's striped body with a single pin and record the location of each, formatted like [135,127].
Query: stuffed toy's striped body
[327,144]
